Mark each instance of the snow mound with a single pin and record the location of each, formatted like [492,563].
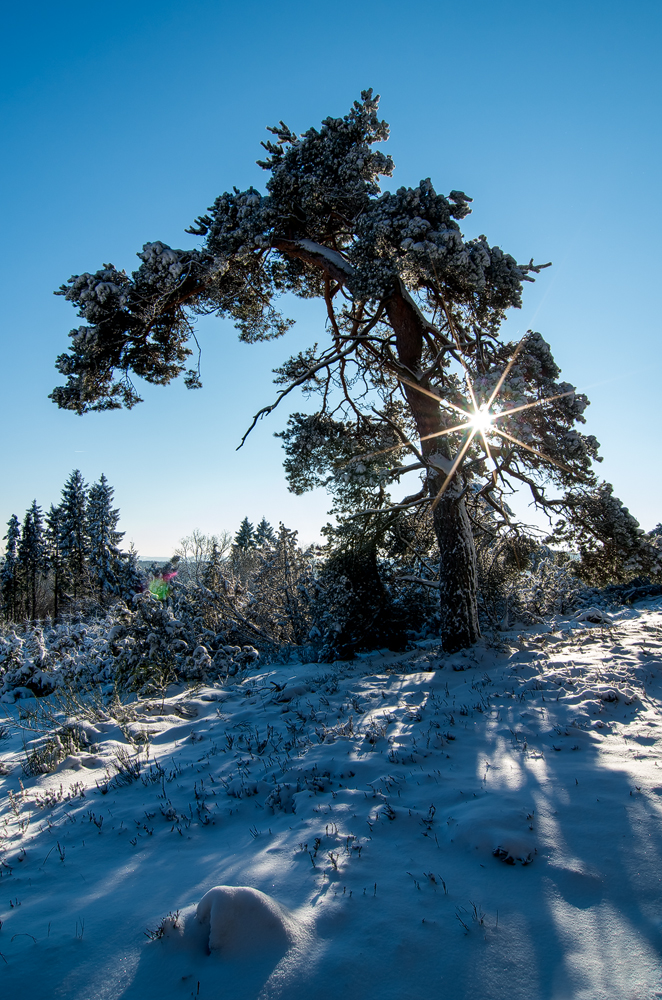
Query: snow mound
[594,616]
[243,921]
[495,826]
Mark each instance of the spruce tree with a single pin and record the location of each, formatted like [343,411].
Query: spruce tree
[264,534]
[53,545]
[245,537]
[9,576]
[103,539]
[73,533]
[131,579]
[213,571]
[32,555]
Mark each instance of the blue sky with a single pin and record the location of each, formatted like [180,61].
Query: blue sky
[122,122]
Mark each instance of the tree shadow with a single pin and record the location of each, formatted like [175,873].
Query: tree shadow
[572,911]
[581,916]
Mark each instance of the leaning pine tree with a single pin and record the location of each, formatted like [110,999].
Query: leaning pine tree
[413,363]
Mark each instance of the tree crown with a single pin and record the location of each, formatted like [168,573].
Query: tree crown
[413,312]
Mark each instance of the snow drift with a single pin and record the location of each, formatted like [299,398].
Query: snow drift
[242,921]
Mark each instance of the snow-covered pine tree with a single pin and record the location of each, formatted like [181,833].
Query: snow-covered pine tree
[32,555]
[415,352]
[245,537]
[615,549]
[73,533]
[103,539]
[53,547]
[9,576]
[264,534]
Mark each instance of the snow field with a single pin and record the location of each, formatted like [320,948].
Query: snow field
[397,826]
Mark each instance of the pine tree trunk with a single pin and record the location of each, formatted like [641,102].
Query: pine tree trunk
[457,552]
[458,589]
[457,573]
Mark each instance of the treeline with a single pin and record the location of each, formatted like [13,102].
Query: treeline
[227,601]
[70,555]
[208,559]
[373,583]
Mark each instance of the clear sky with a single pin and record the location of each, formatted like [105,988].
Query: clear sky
[121,122]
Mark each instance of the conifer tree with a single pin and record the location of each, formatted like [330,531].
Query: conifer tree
[73,533]
[103,539]
[245,537]
[9,577]
[130,577]
[32,557]
[213,571]
[54,553]
[283,605]
[264,534]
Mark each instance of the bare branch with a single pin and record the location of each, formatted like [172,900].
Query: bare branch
[392,507]
[330,261]
[418,579]
[403,437]
[293,385]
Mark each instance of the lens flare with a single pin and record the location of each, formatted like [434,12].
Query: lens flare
[160,586]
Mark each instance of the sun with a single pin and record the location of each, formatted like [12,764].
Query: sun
[482,423]
[482,420]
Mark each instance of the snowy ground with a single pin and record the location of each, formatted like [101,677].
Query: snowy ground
[484,825]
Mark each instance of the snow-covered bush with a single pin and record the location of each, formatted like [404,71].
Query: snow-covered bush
[503,560]
[41,658]
[374,585]
[613,548]
[282,588]
[140,646]
[551,587]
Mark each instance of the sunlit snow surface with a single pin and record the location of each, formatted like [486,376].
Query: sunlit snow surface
[366,801]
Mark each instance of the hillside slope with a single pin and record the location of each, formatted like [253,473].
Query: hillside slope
[486,824]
